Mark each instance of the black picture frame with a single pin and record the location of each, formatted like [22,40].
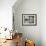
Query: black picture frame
[29,19]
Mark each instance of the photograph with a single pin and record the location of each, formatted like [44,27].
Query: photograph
[29,19]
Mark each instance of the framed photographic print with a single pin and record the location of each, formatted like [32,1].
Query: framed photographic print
[29,19]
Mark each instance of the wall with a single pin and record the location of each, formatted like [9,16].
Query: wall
[43,22]
[6,13]
[28,7]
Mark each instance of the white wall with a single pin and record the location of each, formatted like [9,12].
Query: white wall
[6,13]
[28,7]
[43,22]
